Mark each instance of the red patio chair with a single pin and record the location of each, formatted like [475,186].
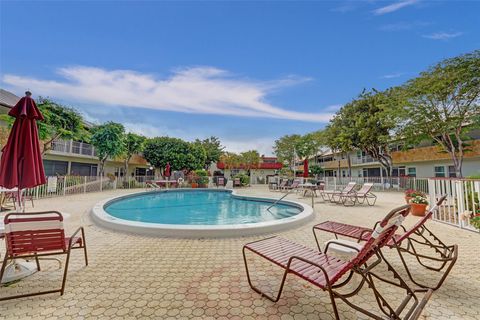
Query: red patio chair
[406,243]
[330,273]
[220,182]
[334,194]
[237,182]
[39,234]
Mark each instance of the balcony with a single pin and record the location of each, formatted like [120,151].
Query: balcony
[363,160]
[69,147]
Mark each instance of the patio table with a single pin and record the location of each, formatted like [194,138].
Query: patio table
[308,187]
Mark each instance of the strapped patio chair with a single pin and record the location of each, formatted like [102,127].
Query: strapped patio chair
[408,242]
[330,273]
[336,195]
[220,182]
[293,186]
[39,234]
[237,182]
[361,196]
[282,185]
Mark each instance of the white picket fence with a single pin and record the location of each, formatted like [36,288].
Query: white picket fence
[379,183]
[67,185]
[462,202]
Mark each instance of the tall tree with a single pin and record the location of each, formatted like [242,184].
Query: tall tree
[443,104]
[365,124]
[250,160]
[338,138]
[109,141]
[290,147]
[285,148]
[134,144]
[231,160]
[179,153]
[213,149]
[60,122]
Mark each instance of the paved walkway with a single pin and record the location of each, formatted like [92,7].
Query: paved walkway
[138,277]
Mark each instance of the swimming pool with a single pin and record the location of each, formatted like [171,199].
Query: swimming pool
[198,213]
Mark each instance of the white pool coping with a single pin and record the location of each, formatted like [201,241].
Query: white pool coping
[102,218]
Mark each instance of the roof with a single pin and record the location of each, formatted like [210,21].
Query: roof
[261,165]
[8,99]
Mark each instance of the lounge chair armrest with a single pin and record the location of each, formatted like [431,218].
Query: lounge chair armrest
[72,237]
[339,243]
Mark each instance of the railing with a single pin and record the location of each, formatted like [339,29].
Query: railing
[362,160]
[73,147]
[462,202]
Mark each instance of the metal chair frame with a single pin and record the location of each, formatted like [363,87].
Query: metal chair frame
[74,242]
[408,243]
[359,265]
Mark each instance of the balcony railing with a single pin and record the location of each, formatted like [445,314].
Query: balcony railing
[73,147]
[363,160]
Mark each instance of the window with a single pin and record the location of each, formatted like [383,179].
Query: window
[54,168]
[439,171]
[412,172]
[452,173]
[83,169]
[234,172]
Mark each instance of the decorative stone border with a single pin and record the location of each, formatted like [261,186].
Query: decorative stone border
[102,218]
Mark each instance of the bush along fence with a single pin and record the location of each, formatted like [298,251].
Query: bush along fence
[462,206]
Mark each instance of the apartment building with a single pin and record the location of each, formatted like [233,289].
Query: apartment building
[68,157]
[424,161]
[268,166]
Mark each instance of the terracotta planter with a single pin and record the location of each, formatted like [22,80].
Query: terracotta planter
[418,209]
[194,185]
[407,199]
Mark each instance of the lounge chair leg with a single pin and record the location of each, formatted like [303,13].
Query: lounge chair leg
[64,280]
[84,243]
[38,262]
[271,298]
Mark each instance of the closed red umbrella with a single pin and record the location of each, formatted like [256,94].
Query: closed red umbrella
[21,165]
[305,168]
[167,172]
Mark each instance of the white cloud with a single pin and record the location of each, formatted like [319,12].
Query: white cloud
[443,35]
[264,146]
[402,26]
[393,75]
[204,90]
[394,7]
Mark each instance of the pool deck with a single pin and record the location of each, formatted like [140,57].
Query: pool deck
[141,277]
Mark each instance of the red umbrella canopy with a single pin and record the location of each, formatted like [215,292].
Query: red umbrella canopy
[167,172]
[21,164]
[305,168]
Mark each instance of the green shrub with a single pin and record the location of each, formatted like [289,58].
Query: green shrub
[244,179]
[202,176]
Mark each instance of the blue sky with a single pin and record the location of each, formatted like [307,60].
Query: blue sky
[247,72]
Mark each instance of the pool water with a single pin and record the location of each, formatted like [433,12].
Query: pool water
[197,207]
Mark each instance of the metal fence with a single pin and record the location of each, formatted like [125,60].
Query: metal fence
[462,202]
[379,183]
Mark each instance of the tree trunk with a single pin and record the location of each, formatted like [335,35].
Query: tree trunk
[349,163]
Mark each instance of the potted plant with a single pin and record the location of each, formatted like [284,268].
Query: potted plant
[411,193]
[192,177]
[419,205]
[475,221]
[202,178]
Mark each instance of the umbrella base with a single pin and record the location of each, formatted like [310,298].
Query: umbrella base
[18,270]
